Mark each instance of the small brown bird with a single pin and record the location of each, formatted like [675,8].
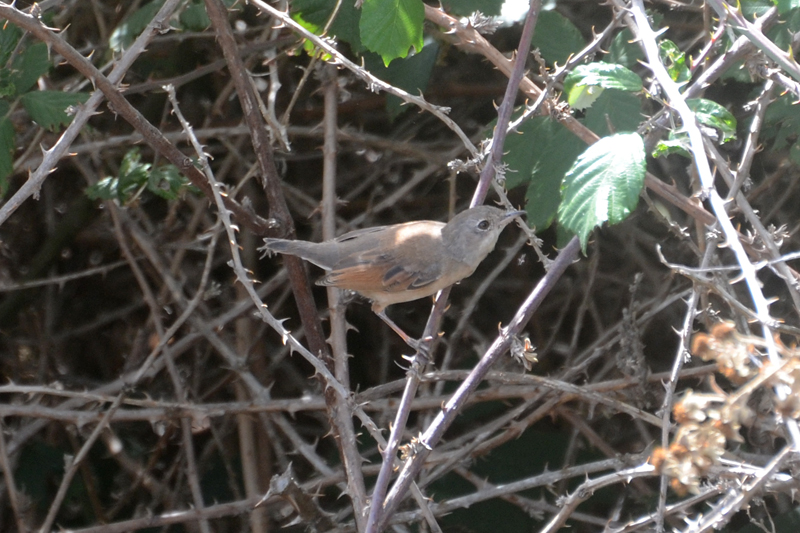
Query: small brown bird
[403,262]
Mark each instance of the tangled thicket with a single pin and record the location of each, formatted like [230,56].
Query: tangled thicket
[159,373]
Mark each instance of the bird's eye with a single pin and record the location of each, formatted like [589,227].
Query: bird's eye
[483,225]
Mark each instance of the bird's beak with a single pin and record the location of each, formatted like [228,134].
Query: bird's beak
[512,214]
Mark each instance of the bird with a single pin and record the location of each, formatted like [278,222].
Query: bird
[403,262]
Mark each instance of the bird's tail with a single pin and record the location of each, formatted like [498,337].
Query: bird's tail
[276,245]
[302,249]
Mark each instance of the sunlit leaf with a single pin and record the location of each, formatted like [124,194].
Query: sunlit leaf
[391,28]
[603,184]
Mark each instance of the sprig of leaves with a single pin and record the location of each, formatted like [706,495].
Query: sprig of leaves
[135,177]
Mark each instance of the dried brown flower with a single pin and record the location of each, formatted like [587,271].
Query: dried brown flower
[729,349]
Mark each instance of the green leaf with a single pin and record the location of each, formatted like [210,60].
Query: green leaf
[133,174]
[582,84]
[674,144]
[784,6]
[624,50]
[556,37]
[619,110]
[782,122]
[105,189]
[794,154]
[714,115]
[309,46]
[391,27]
[7,87]
[314,14]
[167,182]
[606,75]
[194,17]
[9,37]
[465,8]
[29,66]
[582,96]
[755,8]
[603,185]
[409,73]
[675,61]
[127,32]
[49,108]
[537,156]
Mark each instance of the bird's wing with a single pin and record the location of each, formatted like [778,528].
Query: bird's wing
[357,234]
[370,271]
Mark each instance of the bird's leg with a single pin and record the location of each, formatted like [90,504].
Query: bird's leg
[415,344]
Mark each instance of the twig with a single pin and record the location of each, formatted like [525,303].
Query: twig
[507,106]
[338,341]
[541,480]
[11,486]
[66,278]
[535,508]
[186,431]
[586,489]
[73,464]
[751,143]
[666,405]
[676,509]
[736,500]
[787,274]
[173,517]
